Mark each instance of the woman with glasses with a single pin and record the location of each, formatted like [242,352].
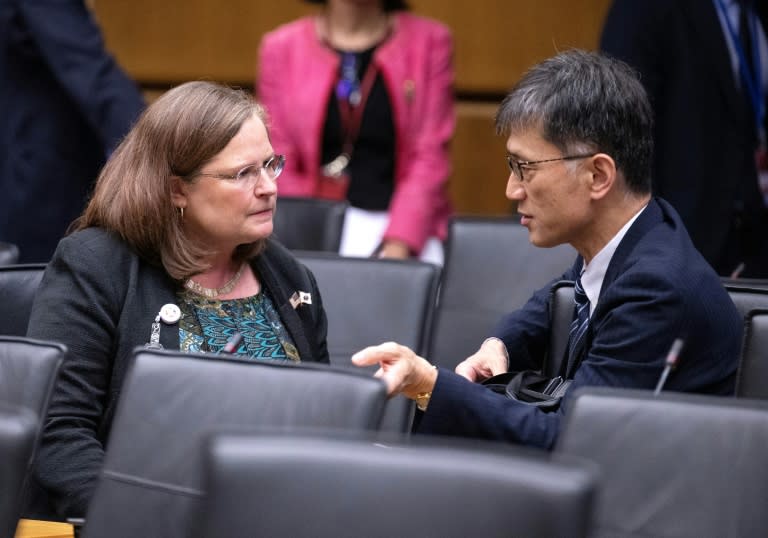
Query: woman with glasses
[362,100]
[171,252]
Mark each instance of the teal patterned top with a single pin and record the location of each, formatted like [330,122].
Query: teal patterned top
[207,324]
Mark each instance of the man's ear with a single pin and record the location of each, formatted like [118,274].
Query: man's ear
[178,192]
[604,174]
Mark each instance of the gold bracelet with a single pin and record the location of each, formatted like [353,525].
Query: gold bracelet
[422,400]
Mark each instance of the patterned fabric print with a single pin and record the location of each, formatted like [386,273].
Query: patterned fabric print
[207,324]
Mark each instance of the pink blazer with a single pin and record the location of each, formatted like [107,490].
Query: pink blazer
[296,77]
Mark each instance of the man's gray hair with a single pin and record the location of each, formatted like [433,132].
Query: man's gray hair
[584,100]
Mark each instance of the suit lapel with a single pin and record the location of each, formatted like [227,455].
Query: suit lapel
[651,215]
[288,314]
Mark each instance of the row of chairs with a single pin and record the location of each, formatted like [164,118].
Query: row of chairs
[146,493]
[627,464]
[442,315]
[273,458]
[370,301]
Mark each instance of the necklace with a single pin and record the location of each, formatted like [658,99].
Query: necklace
[212,293]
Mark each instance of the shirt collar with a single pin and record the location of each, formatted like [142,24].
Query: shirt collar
[593,273]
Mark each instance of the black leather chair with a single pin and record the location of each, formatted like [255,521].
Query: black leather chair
[747,297]
[677,465]
[151,482]
[18,285]
[28,371]
[752,378]
[490,269]
[9,253]
[561,315]
[17,438]
[745,282]
[309,223]
[351,488]
[370,301]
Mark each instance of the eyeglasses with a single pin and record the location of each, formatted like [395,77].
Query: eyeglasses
[249,176]
[517,166]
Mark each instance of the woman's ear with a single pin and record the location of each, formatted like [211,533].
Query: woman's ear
[178,192]
[603,170]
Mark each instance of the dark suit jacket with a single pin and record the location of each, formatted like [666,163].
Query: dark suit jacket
[64,104]
[705,135]
[657,287]
[100,299]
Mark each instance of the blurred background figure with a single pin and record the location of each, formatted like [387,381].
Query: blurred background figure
[64,105]
[704,64]
[361,98]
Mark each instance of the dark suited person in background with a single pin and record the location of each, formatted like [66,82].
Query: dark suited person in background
[707,78]
[580,147]
[64,104]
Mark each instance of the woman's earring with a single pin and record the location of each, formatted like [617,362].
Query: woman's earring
[181,209]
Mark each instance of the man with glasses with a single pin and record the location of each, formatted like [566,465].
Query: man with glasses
[579,146]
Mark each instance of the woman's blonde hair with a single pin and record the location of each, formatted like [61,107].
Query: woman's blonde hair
[175,136]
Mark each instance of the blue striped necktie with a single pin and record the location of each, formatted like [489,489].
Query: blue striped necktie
[577,336]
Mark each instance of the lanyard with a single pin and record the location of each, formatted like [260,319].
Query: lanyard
[752,81]
[352,115]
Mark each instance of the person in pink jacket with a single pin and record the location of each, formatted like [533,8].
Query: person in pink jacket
[361,102]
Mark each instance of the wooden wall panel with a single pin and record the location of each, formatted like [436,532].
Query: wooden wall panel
[170,41]
[497,40]
[480,172]
[161,41]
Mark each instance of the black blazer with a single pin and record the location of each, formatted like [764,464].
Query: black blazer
[705,135]
[64,105]
[657,288]
[99,299]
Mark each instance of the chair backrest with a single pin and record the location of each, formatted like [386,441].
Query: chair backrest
[677,465]
[356,488]
[18,285]
[561,314]
[745,282]
[747,297]
[9,253]
[370,301]
[490,269]
[309,223]
[752,377]
[151,482]
[18,426]
[28,372]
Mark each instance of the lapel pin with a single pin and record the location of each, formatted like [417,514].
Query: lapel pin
[299,298]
